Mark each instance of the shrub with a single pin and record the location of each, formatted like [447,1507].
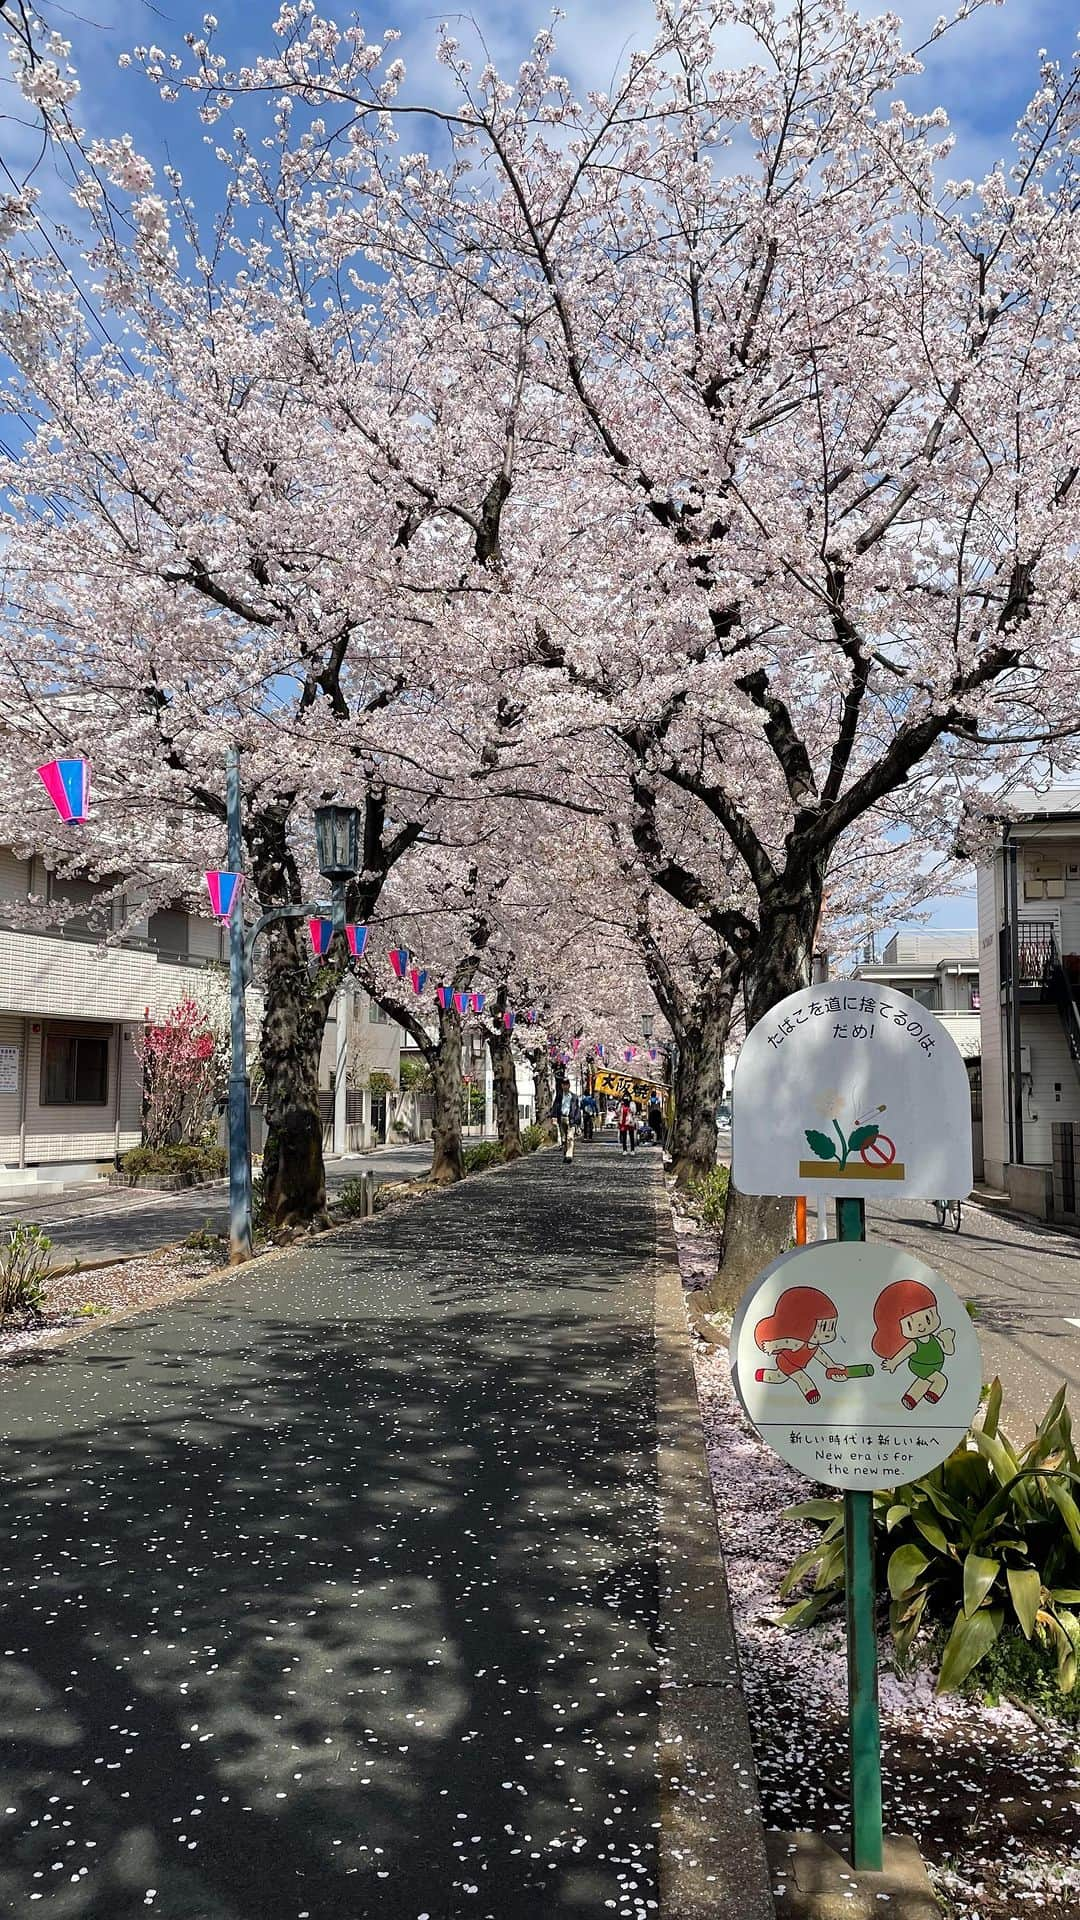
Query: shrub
[24,1264]
[989,1540]
[207,1239]
[485,1153]
[351,1201]
[532,1138]
[199,1163]
[708,1196]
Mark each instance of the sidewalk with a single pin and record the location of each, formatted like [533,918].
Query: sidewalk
[338,1590]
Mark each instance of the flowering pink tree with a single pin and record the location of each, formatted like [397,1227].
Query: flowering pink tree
[819,402]
[184,1063]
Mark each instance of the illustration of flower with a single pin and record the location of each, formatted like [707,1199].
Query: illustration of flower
[863,1132]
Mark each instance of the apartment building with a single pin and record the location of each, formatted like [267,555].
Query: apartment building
[1029,954]
[71,1009]
[941,972]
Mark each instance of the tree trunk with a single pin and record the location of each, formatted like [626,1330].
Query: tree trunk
[699,1081]
[542,1088]
[504,1075]
[294,1179]
[758,1227]
[447,1162]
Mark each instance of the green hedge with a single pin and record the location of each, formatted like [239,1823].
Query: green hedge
[485,1153]
[198,1163]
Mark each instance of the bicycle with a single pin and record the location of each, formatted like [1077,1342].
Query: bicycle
[947,1214]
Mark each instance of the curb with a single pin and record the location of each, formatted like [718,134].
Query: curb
[713,1864]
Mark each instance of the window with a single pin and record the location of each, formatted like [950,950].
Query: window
[927,993]
[168,931]
[74,1065]
[377,1016]
[84,897]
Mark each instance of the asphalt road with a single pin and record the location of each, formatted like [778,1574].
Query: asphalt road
[1024,1280]
[331,1593]
[94,1223]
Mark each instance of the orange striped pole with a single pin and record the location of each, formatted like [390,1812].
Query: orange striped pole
[800,1221]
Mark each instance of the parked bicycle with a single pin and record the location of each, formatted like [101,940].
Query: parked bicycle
[947,1215]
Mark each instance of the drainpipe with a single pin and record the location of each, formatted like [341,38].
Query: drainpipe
[117,1094]
[24,1075]
[1017,1128]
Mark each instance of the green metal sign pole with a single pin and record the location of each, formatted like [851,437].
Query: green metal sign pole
[864,1722]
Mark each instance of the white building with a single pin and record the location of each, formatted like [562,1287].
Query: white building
[941,971]
[71,1009]
[1029,953]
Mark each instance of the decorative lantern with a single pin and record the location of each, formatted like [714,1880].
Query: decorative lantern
[67,783]
[224,890]
[418,976]
[599,1049]
[445,998]
[461,1002]
[652,1053]
[479,1001]
[337,842]
[508,1019]
[399,960]
[629,1053]
[531,1016]
[356,937]
[322,932]
[576,1042]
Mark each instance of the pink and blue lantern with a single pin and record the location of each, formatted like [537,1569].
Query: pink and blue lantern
[399,960]
[576,1042]
[224,890]
[652,1053]
[599,1049]
[321,933]
[532,1016]
[356,937]
[67,783]
[479,1001]
[445,998]
[461,1002]
[508,1019]
[418,976]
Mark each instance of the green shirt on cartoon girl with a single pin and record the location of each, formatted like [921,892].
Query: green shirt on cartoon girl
[907,1327]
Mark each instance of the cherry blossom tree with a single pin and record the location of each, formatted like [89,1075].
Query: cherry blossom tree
[819,402]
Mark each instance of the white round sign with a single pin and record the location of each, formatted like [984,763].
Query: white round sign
[851,1088]
[856,1363]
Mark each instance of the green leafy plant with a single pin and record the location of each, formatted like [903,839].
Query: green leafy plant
[415,1077]
[381,1083]
[532,1138]
[708,1195]
[193,1162]
[207,1239]
[352,1200]
[988,1540]
[485,1153]
[24,1265]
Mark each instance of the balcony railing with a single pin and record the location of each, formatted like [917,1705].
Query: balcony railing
[1037,954]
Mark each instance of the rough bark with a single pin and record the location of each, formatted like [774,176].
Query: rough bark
[447,1160]
[504,1076]
[294,1179]
[758,1227]
[704,1026]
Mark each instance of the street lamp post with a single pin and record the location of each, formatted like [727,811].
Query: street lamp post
[337,840]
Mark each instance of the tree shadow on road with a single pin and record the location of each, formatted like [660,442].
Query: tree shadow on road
[323,1600]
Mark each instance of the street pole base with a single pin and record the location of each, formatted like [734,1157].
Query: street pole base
[813,1879]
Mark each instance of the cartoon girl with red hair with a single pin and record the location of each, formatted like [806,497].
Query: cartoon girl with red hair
[799,1329]
[907,1326]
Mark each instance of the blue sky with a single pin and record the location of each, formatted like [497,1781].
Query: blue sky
[982,73]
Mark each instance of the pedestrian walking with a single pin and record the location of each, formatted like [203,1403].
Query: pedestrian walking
[656,1120]
[566,1112]
[588,1115]
[628,1126]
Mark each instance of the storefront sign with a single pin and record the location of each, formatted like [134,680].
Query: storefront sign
[9,1069]
[856,1363]
[849,1087]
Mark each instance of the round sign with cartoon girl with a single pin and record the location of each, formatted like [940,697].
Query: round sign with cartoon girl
[856,1363]
[907,1327]
[801,1328]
